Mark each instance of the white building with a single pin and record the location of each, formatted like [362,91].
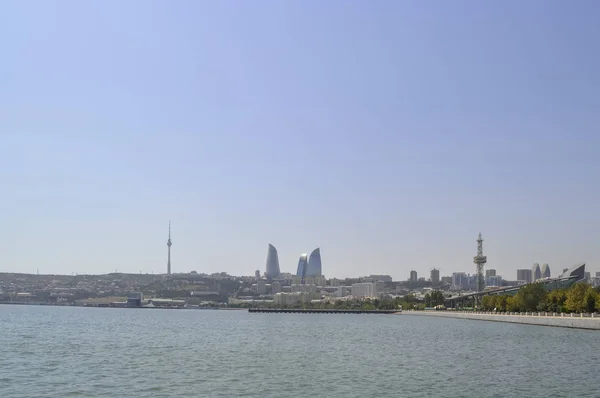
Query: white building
[300,288]
[282,299]
[363,290]
[261,287]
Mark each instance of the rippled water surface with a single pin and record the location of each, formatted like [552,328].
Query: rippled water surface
[90,352]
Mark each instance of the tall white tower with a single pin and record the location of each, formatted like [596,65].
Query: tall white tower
[169,243]
[480,261]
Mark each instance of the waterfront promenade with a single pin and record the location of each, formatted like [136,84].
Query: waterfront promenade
[575,321]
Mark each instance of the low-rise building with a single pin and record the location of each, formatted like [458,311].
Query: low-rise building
[290,299]
[381,278]
[304,288]
[364,290]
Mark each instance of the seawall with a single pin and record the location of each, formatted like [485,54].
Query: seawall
[567,321]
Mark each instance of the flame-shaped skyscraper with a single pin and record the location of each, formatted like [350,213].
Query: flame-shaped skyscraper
[272,263]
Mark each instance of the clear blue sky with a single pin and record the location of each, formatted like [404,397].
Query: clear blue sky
[388,133]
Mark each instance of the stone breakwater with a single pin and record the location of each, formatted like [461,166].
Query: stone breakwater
[575,321]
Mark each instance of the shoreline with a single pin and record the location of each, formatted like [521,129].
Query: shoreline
[321,311]
[32,304]
[572,322]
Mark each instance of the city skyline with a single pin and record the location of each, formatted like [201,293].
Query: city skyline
[304,268]
[409,128]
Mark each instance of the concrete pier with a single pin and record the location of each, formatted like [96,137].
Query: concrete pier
[575,321]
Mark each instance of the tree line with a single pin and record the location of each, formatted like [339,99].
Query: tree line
[407,302]
[579,298]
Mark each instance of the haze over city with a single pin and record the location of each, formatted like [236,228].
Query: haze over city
[388,134]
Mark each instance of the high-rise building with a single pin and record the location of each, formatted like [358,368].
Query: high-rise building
[472,282]
[413,276]
[302,265]
[524,275]
[546,271]
[314,264]
[494,280]
[310,266]
[272,263]
[536,272]
[435,277]
[490,272]
[460,281]
[257,274]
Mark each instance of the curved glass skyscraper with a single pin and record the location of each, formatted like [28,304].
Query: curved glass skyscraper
[272,263]
[536,272]
[302,265]
[545,271]
[314,263]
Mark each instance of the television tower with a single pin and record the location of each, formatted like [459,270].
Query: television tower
[480,261]
[169,243]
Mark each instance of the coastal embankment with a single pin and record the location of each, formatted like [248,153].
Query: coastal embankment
[575,321]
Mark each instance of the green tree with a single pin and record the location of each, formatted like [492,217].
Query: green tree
[488,303]
[399,302]
[410,298]
[437,297]
[589,300]
[387,305]
[555,301]
[427,300]
[576,297]
[532,297]
[501,302]
[367,306]
[512,304]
